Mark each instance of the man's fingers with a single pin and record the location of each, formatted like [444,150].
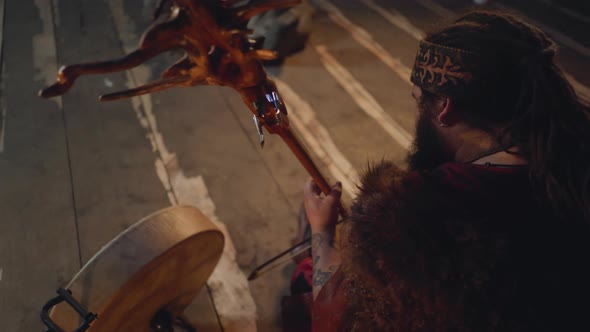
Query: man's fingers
[337,186]
[336,192]
[312,192]
[311,188]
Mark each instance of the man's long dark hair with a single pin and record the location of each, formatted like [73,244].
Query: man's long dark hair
[529,96]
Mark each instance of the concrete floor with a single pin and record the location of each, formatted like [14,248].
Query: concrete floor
[74,173]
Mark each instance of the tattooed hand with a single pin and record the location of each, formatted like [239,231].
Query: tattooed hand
[326,259]
[322,212]
[320,277]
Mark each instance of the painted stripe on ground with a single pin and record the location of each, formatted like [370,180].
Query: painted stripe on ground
[2,111]
[318,139]
[2,101]
[366,40]
[436,8]
[396,18]
[228,284]
[2,6]
[569,12]
[364,99]
[560,37]
[45,52]
[582,90]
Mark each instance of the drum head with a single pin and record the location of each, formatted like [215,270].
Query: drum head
[161,262]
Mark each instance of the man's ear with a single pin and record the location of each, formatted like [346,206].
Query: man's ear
[446,116]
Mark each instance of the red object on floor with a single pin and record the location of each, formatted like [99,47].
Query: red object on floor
[305,269]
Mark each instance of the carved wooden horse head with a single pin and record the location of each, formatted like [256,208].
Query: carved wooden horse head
[214,35]
[218,51]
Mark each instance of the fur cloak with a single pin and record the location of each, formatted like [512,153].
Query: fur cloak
[461,248]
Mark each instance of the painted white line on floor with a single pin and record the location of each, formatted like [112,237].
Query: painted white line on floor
[44,58]
[56,17]
[2,126]
[558,36]
[569,12]
[2,113]
[364,99]
[436,8]
[398,17]
[366,40]
[2,6]
[229,286]
[2,101]
[45,51]
[318,139]
[395,18]
[582,90]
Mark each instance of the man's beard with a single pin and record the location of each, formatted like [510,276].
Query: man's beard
[428,150]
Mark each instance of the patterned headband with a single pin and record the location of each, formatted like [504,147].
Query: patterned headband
[446,70]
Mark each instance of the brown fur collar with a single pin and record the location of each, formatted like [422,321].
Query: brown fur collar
[421,256]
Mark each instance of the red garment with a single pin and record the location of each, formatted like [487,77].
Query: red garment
[330,306]
[302,314]
[303,274]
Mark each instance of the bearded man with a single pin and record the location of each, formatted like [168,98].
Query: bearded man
[489,229]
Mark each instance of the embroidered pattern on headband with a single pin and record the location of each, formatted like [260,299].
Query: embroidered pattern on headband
[442,69]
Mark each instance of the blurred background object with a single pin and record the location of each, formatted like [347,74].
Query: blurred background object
[285,31]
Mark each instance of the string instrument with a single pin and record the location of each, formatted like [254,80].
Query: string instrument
[217,51]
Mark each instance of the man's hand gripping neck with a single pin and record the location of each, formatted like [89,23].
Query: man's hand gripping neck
[322,213]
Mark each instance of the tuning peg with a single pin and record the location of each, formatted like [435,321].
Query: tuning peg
[259,130]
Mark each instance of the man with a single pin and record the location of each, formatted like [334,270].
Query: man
[489,228]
